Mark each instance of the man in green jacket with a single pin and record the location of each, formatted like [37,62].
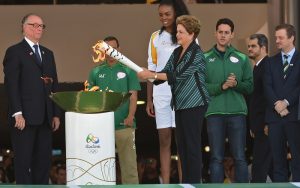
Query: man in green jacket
[228,77]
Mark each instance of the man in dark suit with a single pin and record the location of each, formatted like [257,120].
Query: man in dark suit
[282,89]
[261,165]
[30,77]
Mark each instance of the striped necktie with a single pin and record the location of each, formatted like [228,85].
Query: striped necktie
[285,65]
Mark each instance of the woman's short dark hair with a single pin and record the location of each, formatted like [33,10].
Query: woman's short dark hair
[190,23]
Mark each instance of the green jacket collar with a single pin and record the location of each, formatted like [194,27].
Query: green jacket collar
[228,51]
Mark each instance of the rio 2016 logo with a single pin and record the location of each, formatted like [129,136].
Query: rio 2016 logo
[93,144]
[92,138]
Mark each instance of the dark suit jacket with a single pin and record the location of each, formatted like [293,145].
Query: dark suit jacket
[258,101]
[26,90]
[278,88]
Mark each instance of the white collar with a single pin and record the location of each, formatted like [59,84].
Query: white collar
[30,42]
[258,62]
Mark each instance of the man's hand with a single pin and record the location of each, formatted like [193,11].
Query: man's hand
[20,122]
[225,86]
[252,135]
[284,112]
[150,109]
[55,123]
[280,105]
[129,121]
[230,82]
[266,130]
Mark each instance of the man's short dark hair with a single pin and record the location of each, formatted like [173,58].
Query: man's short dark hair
[262,40]
[290,30]
[225,21]
[110,38]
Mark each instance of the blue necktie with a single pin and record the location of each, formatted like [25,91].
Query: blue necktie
[37,54]
[285,65]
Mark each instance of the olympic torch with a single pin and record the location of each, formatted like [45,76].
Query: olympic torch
[101,48]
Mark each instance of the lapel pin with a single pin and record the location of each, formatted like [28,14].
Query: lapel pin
[30,53]
[291,65]
[43,52]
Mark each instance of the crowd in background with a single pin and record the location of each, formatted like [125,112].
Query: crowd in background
[148,170]
[57,171]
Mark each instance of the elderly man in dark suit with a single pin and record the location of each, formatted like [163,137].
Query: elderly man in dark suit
[261,165]
[30,76]
[282,89]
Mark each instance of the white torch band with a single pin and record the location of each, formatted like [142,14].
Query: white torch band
[107,49]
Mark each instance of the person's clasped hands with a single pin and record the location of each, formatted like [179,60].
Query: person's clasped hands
[281,108]
[230,82]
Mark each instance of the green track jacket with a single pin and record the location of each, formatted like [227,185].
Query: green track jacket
[230,101]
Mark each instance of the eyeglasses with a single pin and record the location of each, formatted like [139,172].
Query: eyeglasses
[35,25]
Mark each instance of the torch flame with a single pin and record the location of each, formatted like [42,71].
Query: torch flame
[94,88]
[86,84]
[99,52]
[101,48]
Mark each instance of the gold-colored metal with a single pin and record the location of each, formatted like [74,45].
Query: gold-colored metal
[89,101]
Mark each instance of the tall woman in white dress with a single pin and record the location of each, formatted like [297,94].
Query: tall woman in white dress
[161,45]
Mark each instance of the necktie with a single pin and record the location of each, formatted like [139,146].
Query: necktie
[37,54]
[285,65]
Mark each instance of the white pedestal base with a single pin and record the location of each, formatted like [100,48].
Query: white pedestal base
[90,149]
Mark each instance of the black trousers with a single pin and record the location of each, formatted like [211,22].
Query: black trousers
[188,135]
[281,133]
[262,158]
[32,153]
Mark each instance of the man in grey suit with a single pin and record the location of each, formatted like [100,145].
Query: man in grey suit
[30,77]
